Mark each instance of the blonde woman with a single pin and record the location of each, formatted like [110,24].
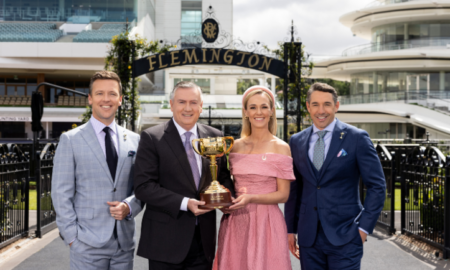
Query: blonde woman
[253,236]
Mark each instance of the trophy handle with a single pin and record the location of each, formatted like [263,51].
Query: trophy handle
[231,143]
[195,148]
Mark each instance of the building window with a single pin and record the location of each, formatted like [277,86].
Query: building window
[191,21]
[73,11]
[204,84]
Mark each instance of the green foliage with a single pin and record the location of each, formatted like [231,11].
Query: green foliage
[119,60]
[244,84]
[299,84]
[342,87]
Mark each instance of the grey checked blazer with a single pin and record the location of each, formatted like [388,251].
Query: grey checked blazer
[82,184]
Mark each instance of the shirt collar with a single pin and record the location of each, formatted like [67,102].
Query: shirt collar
[182,130]
[99,126]
[329,128]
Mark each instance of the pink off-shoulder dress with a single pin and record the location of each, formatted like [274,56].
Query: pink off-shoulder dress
[255,237]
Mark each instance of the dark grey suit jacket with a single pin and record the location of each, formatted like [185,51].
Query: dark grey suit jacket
[163,177]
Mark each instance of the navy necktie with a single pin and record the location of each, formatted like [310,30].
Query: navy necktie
[111,154]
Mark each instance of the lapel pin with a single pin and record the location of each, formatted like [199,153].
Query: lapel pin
[124,137]
[342,134]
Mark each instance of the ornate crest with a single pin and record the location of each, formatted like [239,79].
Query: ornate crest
[213,36]
[210,30]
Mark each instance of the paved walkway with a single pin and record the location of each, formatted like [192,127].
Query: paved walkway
[380,252]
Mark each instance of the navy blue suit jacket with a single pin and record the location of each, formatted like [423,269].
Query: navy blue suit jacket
[332,194]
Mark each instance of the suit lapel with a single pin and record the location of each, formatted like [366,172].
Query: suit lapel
[175,143]
[90,137]
[205,167]
[336,141]
[122,145]
[205,164]
[305,151]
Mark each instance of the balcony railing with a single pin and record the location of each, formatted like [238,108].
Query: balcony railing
[436,100]
[397,45]
[387,2]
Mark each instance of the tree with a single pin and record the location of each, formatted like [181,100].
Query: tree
[297,85]
[122,52]
[342,87]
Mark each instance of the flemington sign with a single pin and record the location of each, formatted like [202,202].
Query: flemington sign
[209,56]
[213,46]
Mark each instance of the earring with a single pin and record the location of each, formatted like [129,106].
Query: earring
[246,118]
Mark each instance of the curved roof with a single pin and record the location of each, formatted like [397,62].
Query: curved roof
[363,20]
[414,114]
[418,59]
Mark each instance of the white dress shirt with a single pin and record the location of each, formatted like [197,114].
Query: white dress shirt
[194,135]
[98,128]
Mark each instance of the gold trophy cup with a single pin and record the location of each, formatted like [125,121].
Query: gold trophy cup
[215,196]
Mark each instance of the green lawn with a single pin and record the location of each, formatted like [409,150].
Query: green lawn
[398,201]
[33,199]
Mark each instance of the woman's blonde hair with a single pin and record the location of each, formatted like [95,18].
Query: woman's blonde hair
[246,125]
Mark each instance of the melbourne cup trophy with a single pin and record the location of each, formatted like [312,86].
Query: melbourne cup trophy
[215,196]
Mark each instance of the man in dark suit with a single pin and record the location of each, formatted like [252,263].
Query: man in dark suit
[169,176]
[324,208]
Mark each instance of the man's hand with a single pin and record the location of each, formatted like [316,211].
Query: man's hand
[293,247]
[193,207]
[70,245]
[118,210]
[363,236]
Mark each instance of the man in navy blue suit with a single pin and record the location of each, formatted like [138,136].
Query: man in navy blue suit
[324,208]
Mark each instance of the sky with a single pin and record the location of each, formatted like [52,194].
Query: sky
[317,23]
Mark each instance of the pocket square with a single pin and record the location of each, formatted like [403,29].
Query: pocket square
[342,153]
[131,153]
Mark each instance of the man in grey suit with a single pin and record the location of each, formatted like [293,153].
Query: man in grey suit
[92,188]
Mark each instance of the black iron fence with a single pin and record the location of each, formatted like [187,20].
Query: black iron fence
[417,179]
[14,196]
[18,195]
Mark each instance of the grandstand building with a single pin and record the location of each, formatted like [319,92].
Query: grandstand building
[400,81]
[64,42]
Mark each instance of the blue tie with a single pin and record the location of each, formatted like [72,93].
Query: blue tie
[319,150]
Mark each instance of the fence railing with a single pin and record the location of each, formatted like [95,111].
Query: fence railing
[420,175]
[15,192]
[395,46]
[437,100]
[14,196]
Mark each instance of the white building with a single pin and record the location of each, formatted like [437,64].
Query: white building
[400,81]
[63,42]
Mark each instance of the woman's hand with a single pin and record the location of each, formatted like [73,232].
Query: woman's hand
[293,247]
[241,201]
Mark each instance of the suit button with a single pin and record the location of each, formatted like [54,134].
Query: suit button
[315,208]
[318,187]
[114,190]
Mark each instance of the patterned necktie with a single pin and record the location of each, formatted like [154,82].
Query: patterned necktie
[319,150]
[111,154]
[191,158]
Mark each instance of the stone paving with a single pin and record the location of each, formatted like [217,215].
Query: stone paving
[380,252]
